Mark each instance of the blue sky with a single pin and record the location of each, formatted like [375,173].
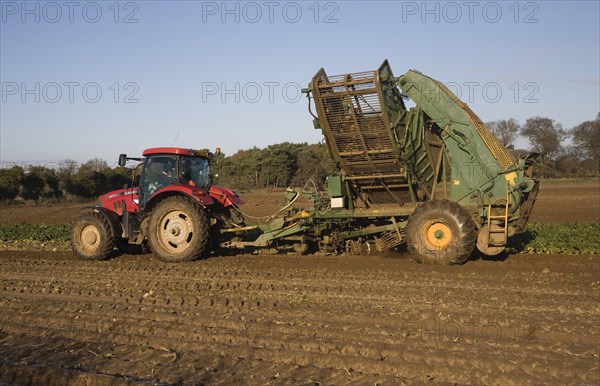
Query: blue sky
[84,80]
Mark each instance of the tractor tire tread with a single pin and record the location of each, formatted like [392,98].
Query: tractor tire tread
[200,239]
[107,243]
[457,218]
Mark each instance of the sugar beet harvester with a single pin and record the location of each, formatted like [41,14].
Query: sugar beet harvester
[432,176]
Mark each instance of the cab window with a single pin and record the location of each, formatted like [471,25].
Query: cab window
[159,171]
[196,171]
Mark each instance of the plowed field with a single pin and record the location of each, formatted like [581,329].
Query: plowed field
[281,319]
[259,319]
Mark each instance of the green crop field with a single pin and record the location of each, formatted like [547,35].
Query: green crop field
[573,239]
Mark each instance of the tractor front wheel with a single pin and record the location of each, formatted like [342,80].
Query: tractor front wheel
[178,230]
[441,232]
[91,237]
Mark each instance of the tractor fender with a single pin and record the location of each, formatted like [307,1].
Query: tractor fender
[200,196]
[112,217]
[203,202]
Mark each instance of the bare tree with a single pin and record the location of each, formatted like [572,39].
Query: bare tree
[586,136]
[505,130]
[545,136]
[96,164]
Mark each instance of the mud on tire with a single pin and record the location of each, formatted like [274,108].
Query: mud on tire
[91,237]
[178,230]
[441,232]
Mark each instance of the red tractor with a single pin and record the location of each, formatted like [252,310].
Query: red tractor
[174,208]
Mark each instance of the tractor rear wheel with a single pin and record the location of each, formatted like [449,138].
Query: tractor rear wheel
[91,237]
[178,230]
[441,232]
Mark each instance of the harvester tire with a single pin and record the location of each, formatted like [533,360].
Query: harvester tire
[178,230]
[441,232]
[91,237]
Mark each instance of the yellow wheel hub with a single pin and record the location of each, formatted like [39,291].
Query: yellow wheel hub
[436,234]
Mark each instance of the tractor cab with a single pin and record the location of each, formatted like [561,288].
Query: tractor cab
[168,168]
[163,170]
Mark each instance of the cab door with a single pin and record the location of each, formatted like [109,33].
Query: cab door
[158,172]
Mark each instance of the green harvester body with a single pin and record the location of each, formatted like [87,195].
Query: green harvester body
[393,159]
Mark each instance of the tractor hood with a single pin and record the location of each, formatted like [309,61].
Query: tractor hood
[225,196]
[120,200]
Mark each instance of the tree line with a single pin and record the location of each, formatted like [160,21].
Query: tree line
[293,164]
[276,166]
[69,180]
[558,158]
[280,165]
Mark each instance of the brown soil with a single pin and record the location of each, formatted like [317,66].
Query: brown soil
[63,213]
[298,319]
[280,319]
[566,203]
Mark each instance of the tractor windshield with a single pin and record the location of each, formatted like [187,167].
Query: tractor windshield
[196,171]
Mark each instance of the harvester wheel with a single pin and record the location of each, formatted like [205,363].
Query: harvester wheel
[441,232]
[91,237]
[178,230]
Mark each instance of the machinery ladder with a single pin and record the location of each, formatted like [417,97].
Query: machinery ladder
[527,206]
[495,230]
